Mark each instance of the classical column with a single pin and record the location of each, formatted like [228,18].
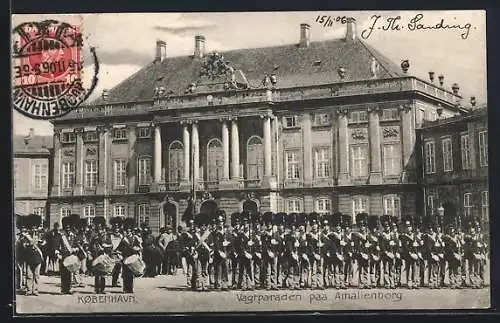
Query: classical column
[375,148]
[407,136]
[343,144]
[103,131]
[132,159]
[235,150]
[79,167]
[56,187]
[157,154]
[225,149]
[185,139]
[267,147]
[307,147]
[196,152]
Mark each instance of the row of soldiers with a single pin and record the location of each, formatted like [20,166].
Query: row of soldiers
[74,249]
[296,251]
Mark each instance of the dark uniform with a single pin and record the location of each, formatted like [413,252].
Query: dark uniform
[348,250]
[362,249]
[453,251]
[374,250]
[129,245]
[66,248]
[219,241]
[291,259]
[100,245]
[244,247]
[233,248]
[271,242]
[337,252]
[388,248]
[316,252]
[409,254]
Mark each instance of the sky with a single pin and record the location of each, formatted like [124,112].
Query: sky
[126,42]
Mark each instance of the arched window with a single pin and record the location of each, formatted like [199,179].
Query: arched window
[255,158]
[176,161]
[215,160]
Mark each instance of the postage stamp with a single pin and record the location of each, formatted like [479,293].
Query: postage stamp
[47,69]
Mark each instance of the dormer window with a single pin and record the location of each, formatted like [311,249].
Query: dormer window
[120,134]
[68,137]
[290,122]
[144,132]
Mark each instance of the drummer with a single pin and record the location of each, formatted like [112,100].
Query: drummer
[100,245]
[130,245]
[67,247]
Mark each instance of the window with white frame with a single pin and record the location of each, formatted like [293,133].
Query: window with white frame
[359,158]
[323,206]
[175,161]
[68,175]
[483,148]
[290,122]
[390,114]
[467,204]
[485,205]
[39,211]
[143,213]
[430,204]
[430,157]
[119,172]
[255,158]
[392,205]
[89,213]
[91,173]
[465,151]
[292,164]
[144,170]
[359,205]
[447,154]
[321,119]
[68,137]
[41,174]
[119,210]
[358,116]
[91,136]
[17,173]
[392,159]
[322,162]
[65,211]
[120,133]
[294,205]
[144,132]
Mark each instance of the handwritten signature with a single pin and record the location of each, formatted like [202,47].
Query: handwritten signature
[395,23]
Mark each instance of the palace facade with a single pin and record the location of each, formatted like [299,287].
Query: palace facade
[455,166]
[32,164]
[314,126]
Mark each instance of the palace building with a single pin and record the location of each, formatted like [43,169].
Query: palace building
[321,126]
[32,163]
[455,165]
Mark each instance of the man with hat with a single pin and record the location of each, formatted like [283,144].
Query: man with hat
[473,254]
[337,258]
[219,241]
[245,250]
[409,253]
[68,246]
[100,245]
[453,255]
[388,247]
[279,222]
[431,249]
[203,250]
[129,245]
[398,260]
[53,239]
[256,232]
[116,237]
[33,256]
[270,248]
[305,264]
[348,250]
[291,261]
[233,248]
[187,243]
[315,243]
[374,249]
[166,236]
[362,247]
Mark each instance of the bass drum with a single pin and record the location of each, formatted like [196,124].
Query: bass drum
[136,265]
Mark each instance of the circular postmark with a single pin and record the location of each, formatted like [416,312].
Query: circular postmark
[47,69]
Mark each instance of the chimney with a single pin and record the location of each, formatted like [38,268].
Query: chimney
[161,50]
[350,34]
[199,46]
[305,38]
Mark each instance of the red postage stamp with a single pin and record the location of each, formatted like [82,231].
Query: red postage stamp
[47,69]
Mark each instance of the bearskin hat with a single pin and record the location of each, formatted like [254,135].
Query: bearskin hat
[394,221]
[99,221]
[255,218]
[361,219]
[268,218]
[312,218]
[279,218]
[20,221]
[301,219]
[346,220]
[326,219]
[245,216]
[385,220]
[116,221]
[220,216]
[129,223]
[336,219]
[202,219]
[235,218]
[290,219]
[373,222]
